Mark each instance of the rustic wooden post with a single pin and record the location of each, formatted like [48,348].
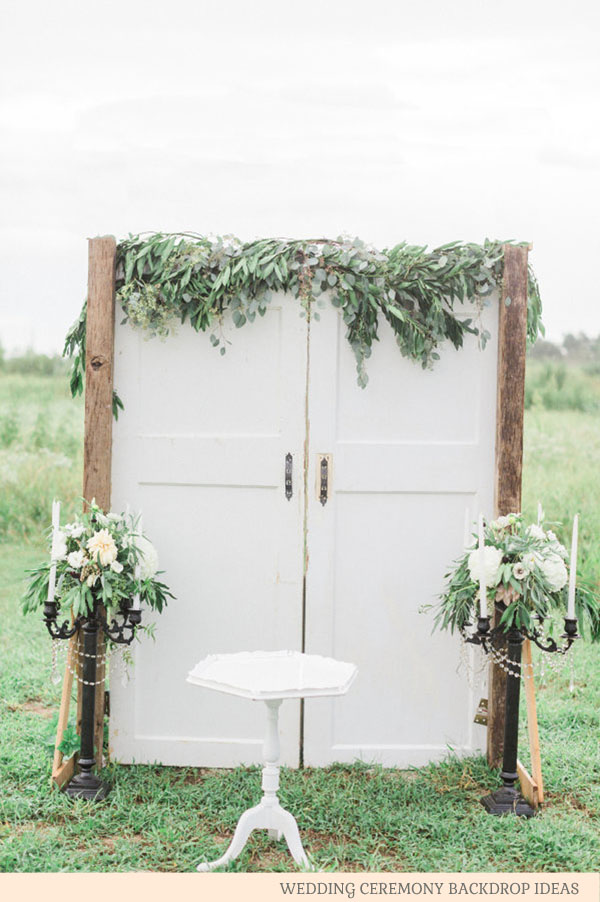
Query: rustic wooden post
[99,346]
[96,464]
[512,346]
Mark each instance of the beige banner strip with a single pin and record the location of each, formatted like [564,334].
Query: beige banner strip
[268,887]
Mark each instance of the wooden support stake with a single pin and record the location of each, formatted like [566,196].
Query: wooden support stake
[99,701]
[529,788]
[532,722]
[97,459]
[65,702]
[512,346]
[64,773]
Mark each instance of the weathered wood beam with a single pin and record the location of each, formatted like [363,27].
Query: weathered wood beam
[99,353]
[512,346]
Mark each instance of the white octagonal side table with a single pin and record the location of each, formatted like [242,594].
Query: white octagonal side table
[270,677]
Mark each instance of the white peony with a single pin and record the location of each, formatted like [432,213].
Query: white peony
[492,558]
[116,567]
[102,547]
[519,570]
[554,570]
[59,546]
[148,557]
[557,546]
[77,559]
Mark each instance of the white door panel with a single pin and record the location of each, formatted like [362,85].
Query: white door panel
[409,453]
[200,449]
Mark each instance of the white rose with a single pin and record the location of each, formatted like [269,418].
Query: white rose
[76,559]
[148,557]
[117,567]
[555,572]
[102,547]
[59,546]
[536,532]
[492,558]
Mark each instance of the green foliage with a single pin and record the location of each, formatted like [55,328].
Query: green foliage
[40,454]
[70,741]
[162,279]
[9,429]
[554,385]
[529,580]
[32,364]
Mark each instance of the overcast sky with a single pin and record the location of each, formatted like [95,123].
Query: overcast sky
[418,121]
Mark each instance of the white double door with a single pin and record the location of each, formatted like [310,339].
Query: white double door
[292,509]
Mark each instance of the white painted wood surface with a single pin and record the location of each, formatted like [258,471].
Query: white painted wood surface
[409,453]
[262,675]
[271,677]
[200,449]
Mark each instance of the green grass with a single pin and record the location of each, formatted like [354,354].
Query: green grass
[557,385]
[41,436]
[351,818]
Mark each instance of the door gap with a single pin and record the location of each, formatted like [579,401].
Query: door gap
[305,523]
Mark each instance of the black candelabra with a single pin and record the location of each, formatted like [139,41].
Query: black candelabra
[86,784]
[507,799]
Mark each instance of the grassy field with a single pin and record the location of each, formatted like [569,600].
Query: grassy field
[353,818]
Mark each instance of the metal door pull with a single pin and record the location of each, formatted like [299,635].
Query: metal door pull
[288,476]
[324,480]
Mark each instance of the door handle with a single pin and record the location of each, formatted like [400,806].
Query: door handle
[289,491]
[324,478]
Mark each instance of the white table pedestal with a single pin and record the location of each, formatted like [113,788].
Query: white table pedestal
[268,814]
[271,677]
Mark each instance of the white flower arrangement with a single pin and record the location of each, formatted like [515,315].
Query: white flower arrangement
[99,558]
[525,575]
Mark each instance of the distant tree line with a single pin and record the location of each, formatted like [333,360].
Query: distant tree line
[31,363]
[580,349]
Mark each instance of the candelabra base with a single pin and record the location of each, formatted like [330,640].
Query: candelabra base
[507,800]
[87,786]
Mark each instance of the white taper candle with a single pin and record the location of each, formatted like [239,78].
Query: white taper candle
[540,513]
[573,569]
[467,540]
[136,597]
[55,529]
[482,592]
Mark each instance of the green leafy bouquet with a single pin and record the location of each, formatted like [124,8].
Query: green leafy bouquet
[100,558]
[526,576]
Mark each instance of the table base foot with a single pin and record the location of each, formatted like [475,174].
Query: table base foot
[269,817]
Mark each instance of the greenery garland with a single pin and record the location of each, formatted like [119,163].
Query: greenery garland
[162,278]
